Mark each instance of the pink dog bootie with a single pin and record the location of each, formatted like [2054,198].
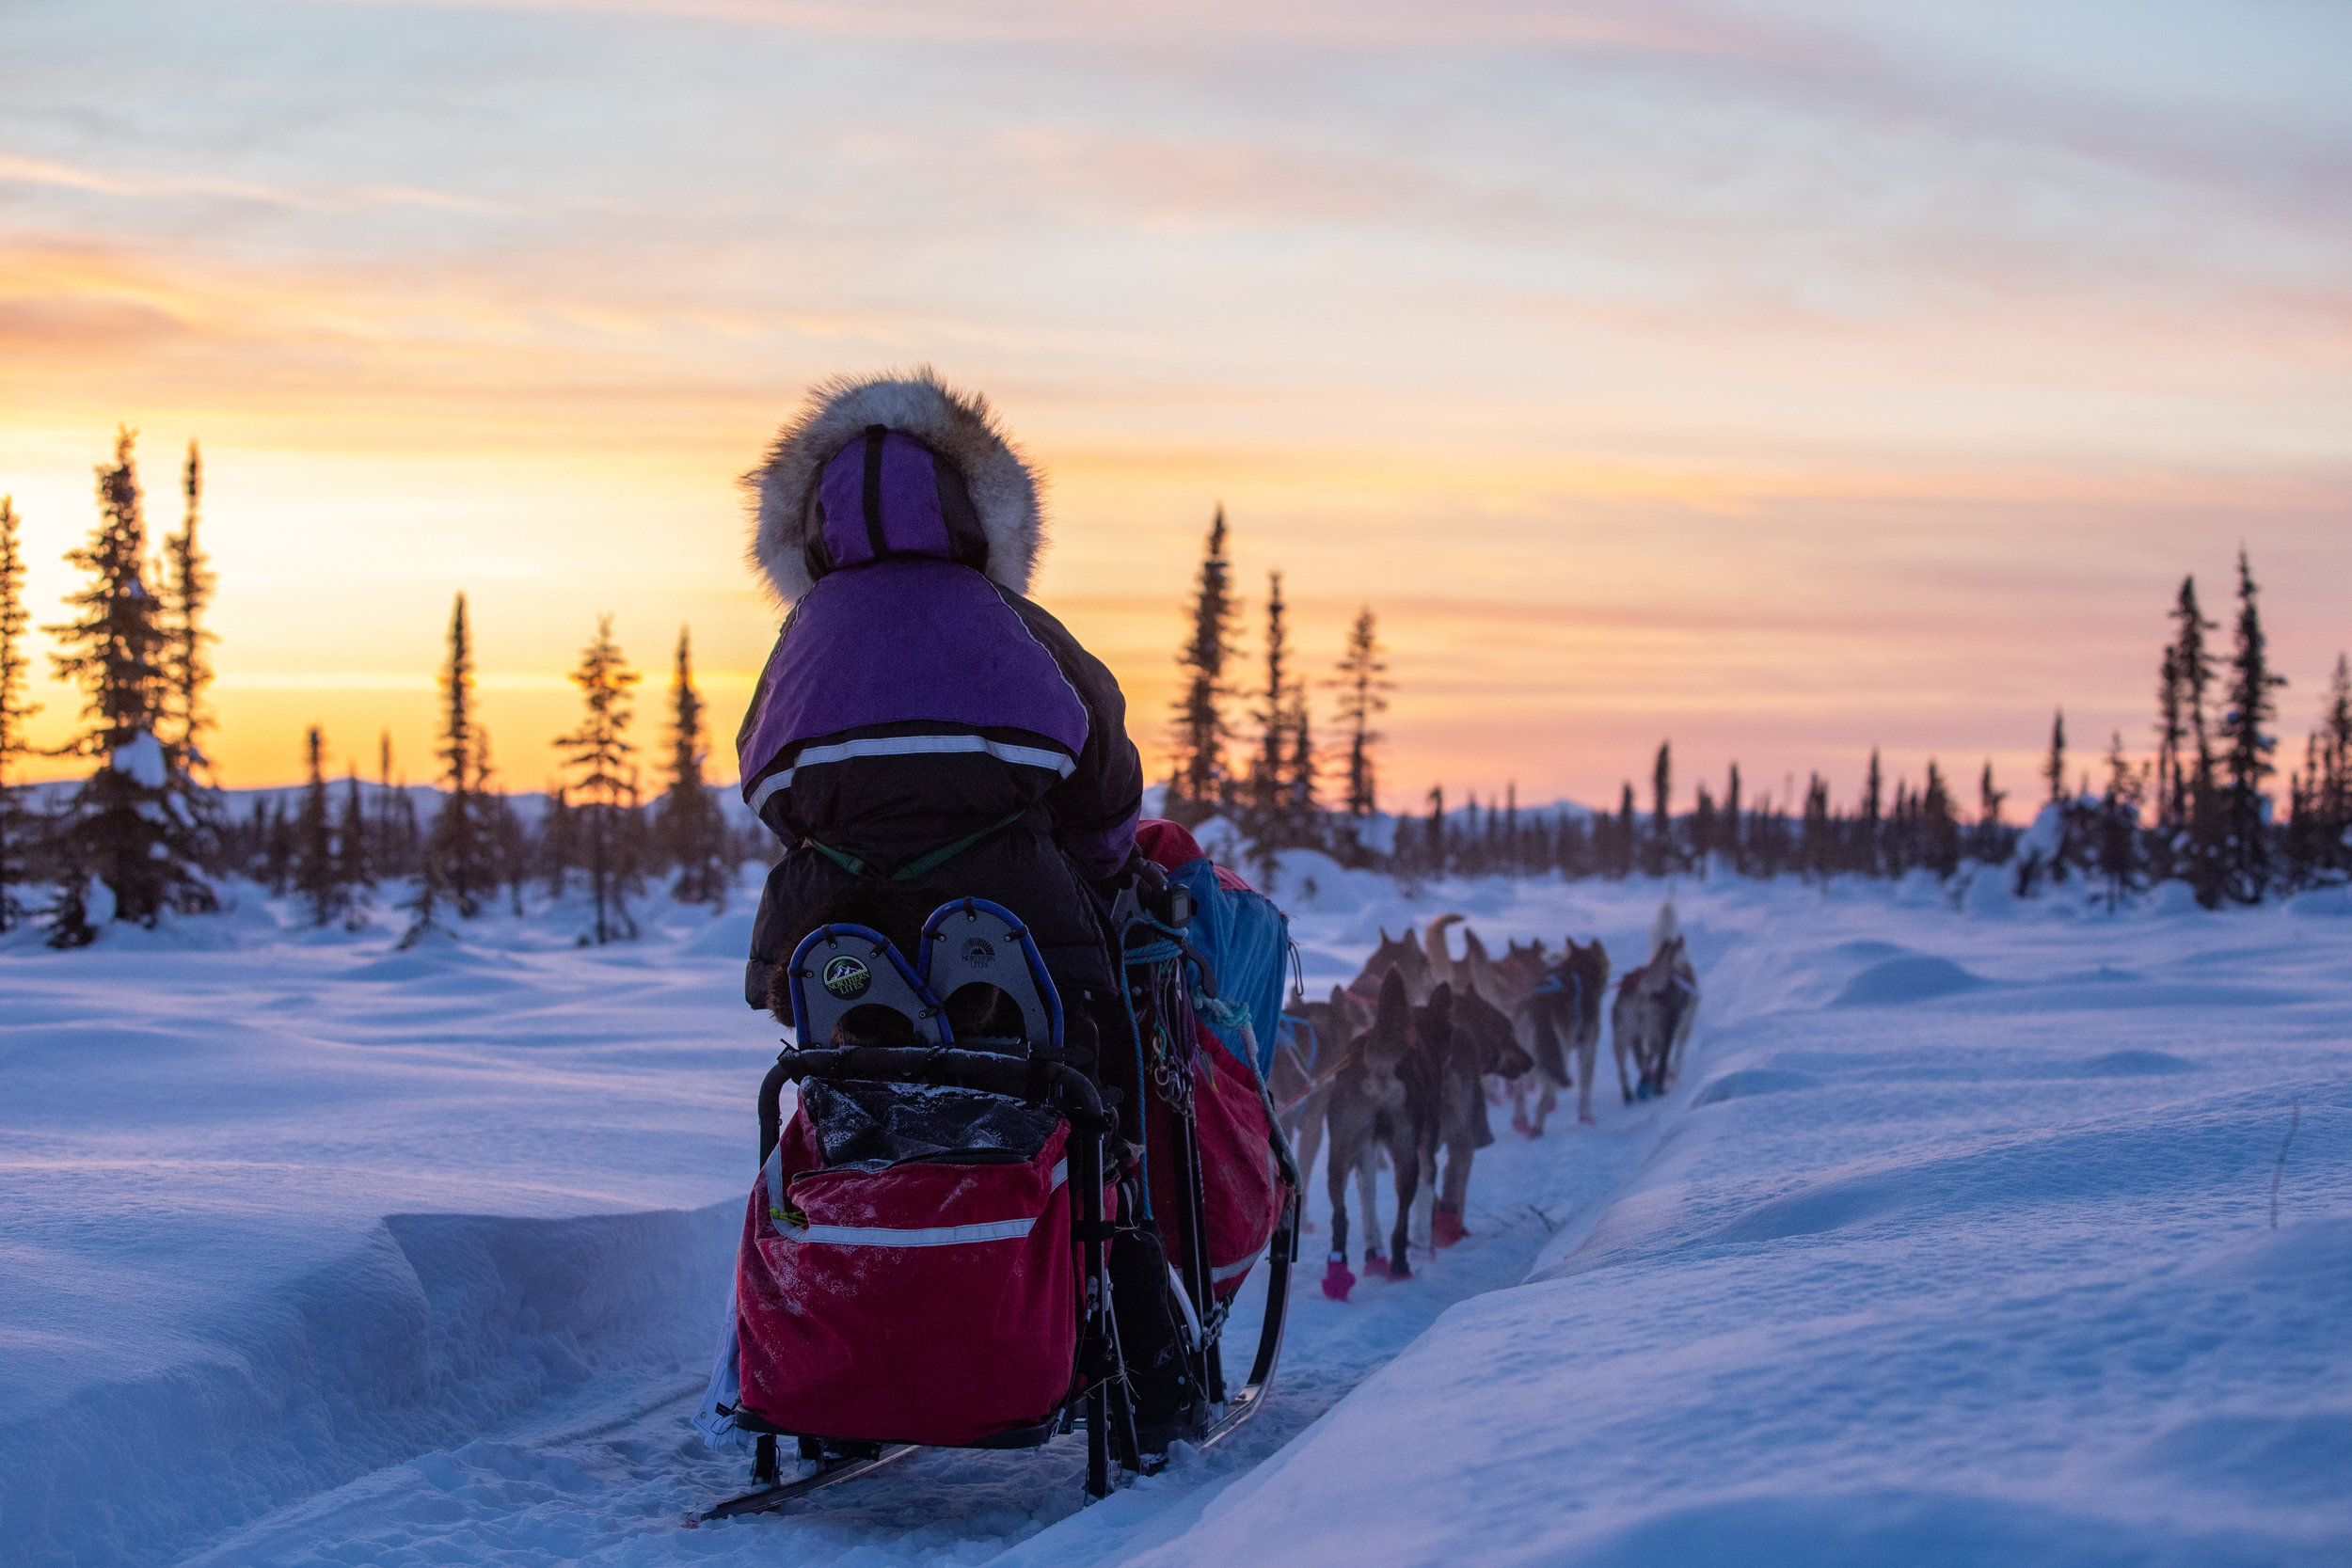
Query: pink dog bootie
[1336,1281]
[1375,1266]
[1445,1227]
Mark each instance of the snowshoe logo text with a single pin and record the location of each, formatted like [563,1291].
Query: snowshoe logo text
[977,951]
[847,977]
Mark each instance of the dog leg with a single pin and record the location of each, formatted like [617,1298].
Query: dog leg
[1337,1280]
[1367,1190]
[1585,1062]
[1518,1110]
[1407,1199]
[1307,1145]
[1424,1228]
[1445,1227]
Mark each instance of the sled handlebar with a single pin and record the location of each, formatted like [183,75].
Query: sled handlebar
[1026,1077]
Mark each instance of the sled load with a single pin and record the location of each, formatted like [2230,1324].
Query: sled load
[956,1232]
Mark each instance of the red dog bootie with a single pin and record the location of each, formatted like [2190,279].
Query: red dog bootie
[1375,1266]
[1336,1281]
[1519,1122]
[1445,1227]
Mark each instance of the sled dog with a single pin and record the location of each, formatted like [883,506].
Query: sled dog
[1559,1024]
[1655,1007]
[1384,1097]
[1467,1039]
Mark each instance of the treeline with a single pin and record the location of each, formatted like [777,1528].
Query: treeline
[2194,809]
[1262,767]
[148,832]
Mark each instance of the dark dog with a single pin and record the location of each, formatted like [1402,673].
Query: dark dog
[1383,1098]
[1467,1039]
[1559,1023]
[1655,1007]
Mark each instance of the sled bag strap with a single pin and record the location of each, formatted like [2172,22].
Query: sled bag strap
[922,865]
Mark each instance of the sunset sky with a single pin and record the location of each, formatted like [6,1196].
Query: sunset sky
[1781,379]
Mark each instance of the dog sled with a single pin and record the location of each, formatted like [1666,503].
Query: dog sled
[950,1228]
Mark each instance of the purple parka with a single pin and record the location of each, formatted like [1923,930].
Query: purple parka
[918,707]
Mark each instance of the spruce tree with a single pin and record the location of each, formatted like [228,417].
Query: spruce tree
[1728,833]
[15,708]
[317,875]
[187,591]
[1199,783]
[505,840]
[2250,745]
[689,829]
[598,756]
[355,867]
[2054,767]
[1303,807]
[2119,823]
[2171,734]
[1266,792]
[1434,846]
[459,852]
[1627,833]
[559,848]
[1867,828]
[1363,686]
[1817,849]
[1939,825]
[2193,672]
[395,845]
[2331,783]
[1657,856]
[126,824]
[1990,834]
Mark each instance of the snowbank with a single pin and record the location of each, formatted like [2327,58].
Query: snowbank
[1953,1254]
[278,1215]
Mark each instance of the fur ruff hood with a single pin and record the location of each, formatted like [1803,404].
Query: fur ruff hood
[958,426]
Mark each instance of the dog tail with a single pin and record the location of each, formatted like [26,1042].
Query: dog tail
[1440,961]
[1665,929]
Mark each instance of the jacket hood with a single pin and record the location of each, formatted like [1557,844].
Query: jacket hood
[892,466]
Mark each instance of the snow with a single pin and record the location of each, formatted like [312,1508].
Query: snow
[1954,1245]
[141,760]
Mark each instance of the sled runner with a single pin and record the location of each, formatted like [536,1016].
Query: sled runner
[932,1254]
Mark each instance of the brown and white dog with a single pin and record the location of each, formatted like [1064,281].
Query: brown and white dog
[1402,956]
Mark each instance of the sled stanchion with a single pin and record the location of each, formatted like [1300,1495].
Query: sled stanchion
[772,1108]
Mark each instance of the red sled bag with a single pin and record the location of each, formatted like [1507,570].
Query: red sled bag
[1241,1195]
[907,1273]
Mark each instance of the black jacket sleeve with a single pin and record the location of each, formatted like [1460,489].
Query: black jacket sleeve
[1094,810]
